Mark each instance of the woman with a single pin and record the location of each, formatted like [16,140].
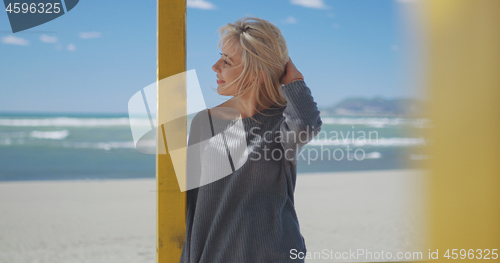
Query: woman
[249,215]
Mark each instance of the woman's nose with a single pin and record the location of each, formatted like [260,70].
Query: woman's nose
[215,67]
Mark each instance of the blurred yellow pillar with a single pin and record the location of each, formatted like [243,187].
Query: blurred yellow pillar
[464,80]
[171,202]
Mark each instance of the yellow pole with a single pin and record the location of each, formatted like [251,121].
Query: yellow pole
[464,79]
[171,202]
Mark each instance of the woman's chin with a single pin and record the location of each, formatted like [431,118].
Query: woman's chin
[222,92]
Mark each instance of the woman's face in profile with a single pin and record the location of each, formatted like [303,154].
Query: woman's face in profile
[228,68]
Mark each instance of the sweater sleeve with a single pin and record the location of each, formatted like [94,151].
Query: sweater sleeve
[301,117]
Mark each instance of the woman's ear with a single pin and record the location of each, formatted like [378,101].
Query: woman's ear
[262,75]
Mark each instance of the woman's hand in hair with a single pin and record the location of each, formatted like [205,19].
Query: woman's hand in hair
[291,73]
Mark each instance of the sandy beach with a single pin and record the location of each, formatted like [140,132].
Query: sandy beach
[373,211]
[114,220]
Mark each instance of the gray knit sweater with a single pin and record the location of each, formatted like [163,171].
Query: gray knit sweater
[249,215]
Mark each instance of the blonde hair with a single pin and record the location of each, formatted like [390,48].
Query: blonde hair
[263,50]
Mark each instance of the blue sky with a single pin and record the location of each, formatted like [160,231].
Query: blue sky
[95,57]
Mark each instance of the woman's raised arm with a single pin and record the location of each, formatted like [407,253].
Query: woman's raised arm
[301,115]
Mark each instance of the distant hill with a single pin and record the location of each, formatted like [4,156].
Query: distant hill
[377,106]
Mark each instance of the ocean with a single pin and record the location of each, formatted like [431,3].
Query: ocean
[99,146]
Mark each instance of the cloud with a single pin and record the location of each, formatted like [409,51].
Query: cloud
[310,3]
[88,35]
[48,39]
[12,40]
[290,20]
[71,47]
[200,4]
